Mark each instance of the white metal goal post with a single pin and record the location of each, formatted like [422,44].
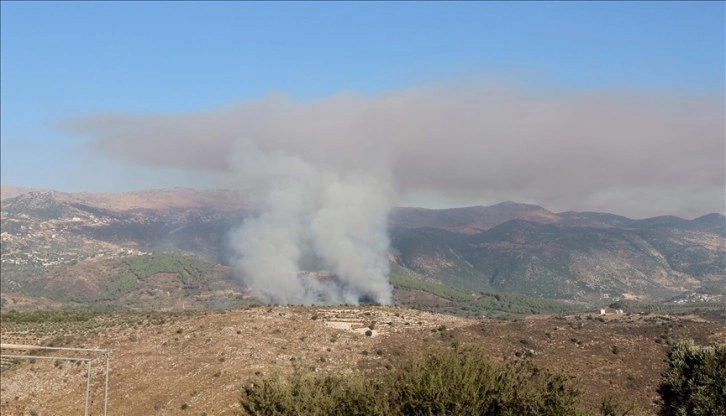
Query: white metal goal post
[85,359]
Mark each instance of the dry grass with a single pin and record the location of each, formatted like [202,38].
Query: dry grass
[160,362]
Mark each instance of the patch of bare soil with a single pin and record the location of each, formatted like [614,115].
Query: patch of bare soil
[196,363]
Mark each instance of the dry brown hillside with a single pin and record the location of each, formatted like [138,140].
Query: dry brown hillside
[195,363]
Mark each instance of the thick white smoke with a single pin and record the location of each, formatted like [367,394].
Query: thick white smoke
[312,219]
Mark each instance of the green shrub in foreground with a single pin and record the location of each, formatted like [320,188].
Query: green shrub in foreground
[440,382]
[306,394]
[695,383]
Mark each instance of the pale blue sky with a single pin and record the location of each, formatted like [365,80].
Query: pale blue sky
[62,60]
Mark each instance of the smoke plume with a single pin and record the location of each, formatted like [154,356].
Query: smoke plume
[319,236]
[323,173]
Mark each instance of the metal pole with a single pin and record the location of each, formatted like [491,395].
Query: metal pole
[36,347]
[45,357]
[105,394]
[88,387]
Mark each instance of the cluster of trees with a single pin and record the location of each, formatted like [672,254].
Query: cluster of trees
[463,303]
[190,270]
[41,316]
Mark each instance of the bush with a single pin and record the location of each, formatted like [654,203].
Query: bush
[304,394]
[464,382]
[444,381]
[694,383]
[610,407]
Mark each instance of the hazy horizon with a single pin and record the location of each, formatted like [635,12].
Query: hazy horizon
[394,206]
[571,106]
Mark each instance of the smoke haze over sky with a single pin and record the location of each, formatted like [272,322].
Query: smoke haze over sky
[585,106]
[584,151]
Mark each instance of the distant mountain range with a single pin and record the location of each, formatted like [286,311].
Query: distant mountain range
[509,247]
[572,255]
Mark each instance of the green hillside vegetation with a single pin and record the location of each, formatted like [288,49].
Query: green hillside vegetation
[40,316]
[58,323]
[630,306]
[469,303]
[190,270]
[67,322]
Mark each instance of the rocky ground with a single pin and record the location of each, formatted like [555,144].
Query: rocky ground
[195,363]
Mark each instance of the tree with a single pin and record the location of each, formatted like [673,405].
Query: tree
[695,382]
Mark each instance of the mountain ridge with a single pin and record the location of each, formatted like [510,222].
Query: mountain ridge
[141,199]
[510,247]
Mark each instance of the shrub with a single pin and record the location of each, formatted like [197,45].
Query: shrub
[610,407]
[305,394]
[442,381]
[462,382]
[694,382]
